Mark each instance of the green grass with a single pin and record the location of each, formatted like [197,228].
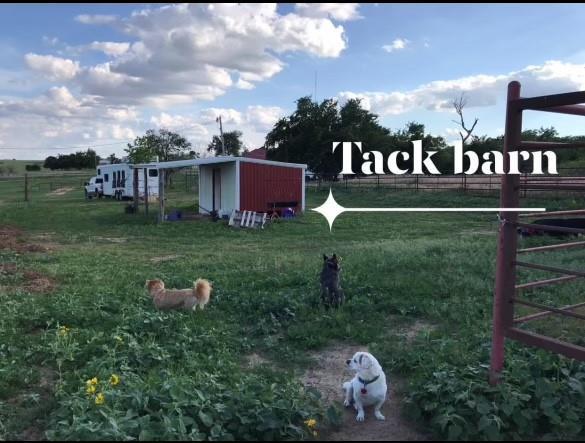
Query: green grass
[18,167]
[183,375]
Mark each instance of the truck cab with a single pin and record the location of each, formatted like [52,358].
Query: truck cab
[94,188]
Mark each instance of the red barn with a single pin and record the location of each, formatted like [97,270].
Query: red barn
[259,153]
[250,184]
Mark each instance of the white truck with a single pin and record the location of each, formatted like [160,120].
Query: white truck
[94,188]
[116,181]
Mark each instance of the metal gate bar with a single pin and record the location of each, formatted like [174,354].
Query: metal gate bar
[506,265]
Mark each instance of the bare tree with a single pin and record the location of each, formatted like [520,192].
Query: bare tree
[459,105]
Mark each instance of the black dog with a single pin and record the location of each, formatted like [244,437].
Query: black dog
[331,293]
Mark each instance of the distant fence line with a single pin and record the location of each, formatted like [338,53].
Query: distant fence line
[569,180]
[34,186]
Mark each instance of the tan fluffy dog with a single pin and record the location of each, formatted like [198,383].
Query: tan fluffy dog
[187,299]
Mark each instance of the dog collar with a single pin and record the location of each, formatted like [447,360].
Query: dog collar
[366,383]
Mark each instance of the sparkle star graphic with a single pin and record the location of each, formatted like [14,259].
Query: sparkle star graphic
[331,209]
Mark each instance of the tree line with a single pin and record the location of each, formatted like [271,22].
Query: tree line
[307,134]
[78,160]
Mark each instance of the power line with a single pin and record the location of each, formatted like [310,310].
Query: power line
[36,148]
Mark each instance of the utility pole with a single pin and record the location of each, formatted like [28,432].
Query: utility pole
[218,119]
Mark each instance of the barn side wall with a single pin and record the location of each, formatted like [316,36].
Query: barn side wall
[262,184]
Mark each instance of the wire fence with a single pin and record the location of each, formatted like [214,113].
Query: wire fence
[569,181]
[31,187]
[70,185]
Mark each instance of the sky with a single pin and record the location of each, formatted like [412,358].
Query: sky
[75,76]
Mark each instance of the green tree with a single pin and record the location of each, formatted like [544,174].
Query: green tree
[78,160]
[232,141]
[307,135]
[164,145]
[113,159]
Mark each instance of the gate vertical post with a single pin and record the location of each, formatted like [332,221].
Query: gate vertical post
[146,191]
[136,191]
[503,308]
[25,186]
[161,195]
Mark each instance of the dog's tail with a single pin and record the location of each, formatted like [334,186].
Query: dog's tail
[202,288]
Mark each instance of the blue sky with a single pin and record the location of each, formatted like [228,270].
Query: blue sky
[82,75]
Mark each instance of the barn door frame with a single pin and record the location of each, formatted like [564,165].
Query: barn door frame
[216,193]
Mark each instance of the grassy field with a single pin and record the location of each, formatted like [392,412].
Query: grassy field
[74,308]
[18,167]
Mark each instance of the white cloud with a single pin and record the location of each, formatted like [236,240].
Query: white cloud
[54,68]
[452,132]
[480,90]
[243,84]
[51,41]
[122,133]
[96,19]
[59,118]
[124,114]
[186,125]
[263,118]
[254,122]
[191,52]
[110,48]
[337,11]
[396,45]
[228,116]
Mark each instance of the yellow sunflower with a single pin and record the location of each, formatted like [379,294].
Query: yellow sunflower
[311,423]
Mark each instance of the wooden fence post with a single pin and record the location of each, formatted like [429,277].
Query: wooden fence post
[146,191]
[25,187]
[136,190]
[161,195]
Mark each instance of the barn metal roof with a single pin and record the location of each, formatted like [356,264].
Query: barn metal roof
[213,160]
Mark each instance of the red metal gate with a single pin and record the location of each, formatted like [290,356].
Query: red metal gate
[506,289]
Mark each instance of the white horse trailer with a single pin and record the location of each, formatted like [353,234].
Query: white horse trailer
[118,181]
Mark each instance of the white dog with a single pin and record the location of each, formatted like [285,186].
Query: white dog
[368,387]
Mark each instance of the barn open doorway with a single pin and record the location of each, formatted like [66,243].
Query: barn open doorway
[216,186]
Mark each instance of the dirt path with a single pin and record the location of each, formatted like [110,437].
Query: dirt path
[61,191]
[328,375]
